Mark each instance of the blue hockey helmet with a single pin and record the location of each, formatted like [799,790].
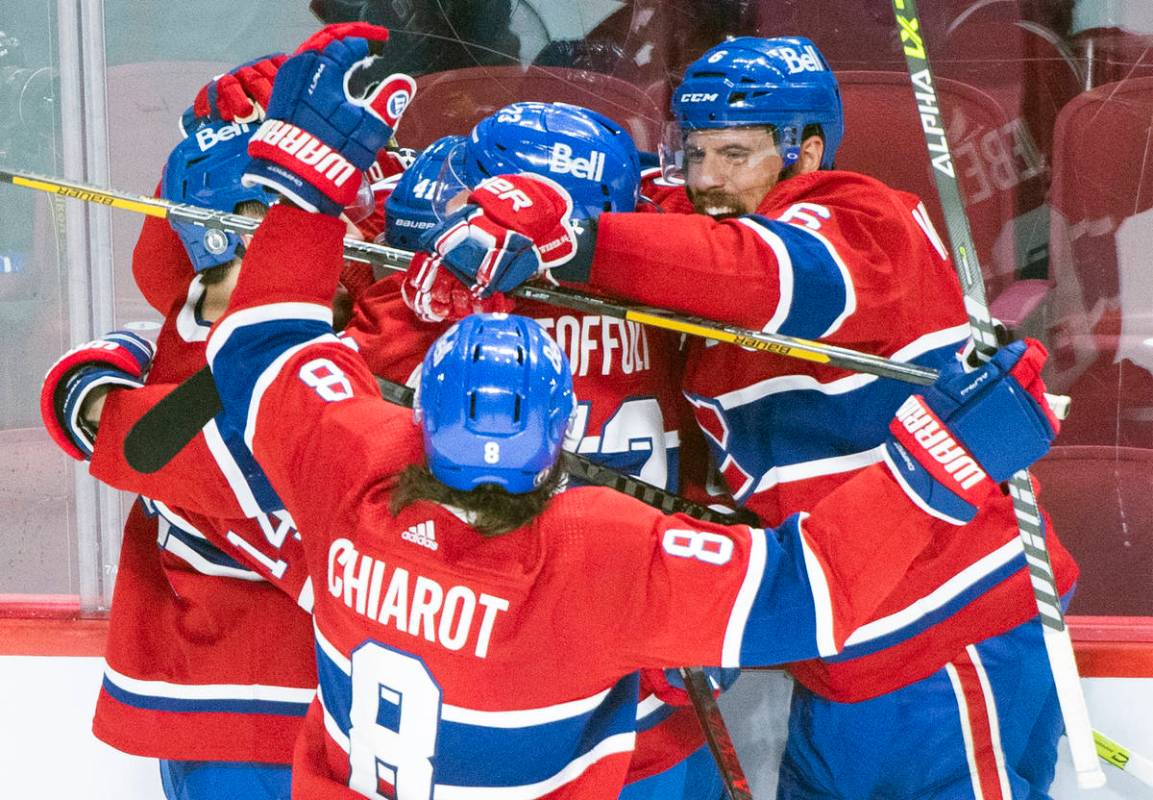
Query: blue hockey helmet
[784,82]
[204,170]
[410,210]
[494,401]
[587,153]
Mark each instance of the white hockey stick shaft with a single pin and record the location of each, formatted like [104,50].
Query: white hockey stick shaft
[1058,644]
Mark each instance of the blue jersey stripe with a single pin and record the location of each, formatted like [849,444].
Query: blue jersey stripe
[782,605]
[775,429]
[484,756]
[819,292]
[203,705]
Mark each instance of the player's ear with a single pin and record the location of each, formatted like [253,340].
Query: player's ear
[812,151]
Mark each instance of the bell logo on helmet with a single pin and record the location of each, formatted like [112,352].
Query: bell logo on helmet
[699,97]
[717,56]
[561,161]
[209,137]
[807,60]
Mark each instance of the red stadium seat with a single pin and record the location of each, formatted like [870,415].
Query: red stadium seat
[452,102]
[1102,233]
[147,99]
[1101,501]
[884,140]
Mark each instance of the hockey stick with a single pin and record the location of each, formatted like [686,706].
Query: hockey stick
[175,429]
[396,260]
[1123,758]
[1058,645]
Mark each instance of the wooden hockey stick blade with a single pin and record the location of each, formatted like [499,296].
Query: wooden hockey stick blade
[716,733]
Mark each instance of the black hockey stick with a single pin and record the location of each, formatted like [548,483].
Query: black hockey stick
[1030,523]
[716,733]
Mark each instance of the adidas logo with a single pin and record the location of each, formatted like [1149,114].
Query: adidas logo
[423,533]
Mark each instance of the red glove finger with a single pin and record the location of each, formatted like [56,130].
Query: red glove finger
[1027,371]
[343,30]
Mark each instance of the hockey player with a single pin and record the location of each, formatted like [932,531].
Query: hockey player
[625,376]
[478,635]
[952,658]
[209,656]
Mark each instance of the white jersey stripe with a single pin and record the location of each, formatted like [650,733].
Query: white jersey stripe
[218,691]
[941,596]
[785,272]
[743,604]
[822,602]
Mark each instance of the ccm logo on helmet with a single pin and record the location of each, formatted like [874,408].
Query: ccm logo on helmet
[936,441]
[807,60]
[560,161]
[699,97]
[207,138]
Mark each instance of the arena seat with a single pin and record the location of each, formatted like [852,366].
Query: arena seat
[885,141]
[1100,499]
[148,99]
[452,102]
[1101,327]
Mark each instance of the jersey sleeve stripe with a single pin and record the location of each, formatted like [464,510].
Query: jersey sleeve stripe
[181,539]
[198,697]
[969,583]
[784,272]
[746,596]
[822,602]
[820,290]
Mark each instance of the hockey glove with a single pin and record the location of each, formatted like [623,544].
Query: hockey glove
[240,95]
[318,138]
[121,358]
[971,430]
[512,228]
[435,295]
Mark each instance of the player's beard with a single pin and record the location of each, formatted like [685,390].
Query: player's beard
[717,204]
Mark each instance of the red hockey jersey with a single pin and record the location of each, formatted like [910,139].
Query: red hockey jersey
[839,257]
[452,663]
[209,655]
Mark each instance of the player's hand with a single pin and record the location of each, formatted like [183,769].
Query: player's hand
[669,686]
[121,358]
[512,228]
[239,95]
[435,295]
[318,139]
[971,430]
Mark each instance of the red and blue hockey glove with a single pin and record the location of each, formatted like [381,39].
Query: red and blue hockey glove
[121,358]
[239,95]
[512,228]
[318,138]
[971,430]
[435,295]
[669,686]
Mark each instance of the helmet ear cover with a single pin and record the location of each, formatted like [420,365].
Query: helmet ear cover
[494,401]
[205,170]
